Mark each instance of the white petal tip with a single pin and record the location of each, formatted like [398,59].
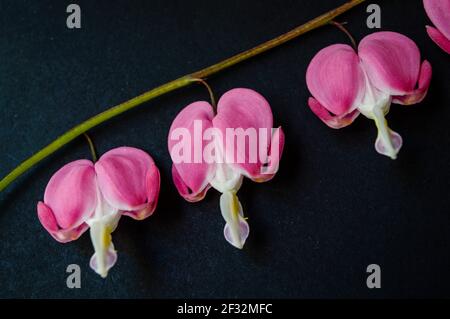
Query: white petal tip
[108,262]
[240,234]
[389,145]
[237,245]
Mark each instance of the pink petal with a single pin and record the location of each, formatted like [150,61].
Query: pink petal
[270,168]
[71,194]
[329,119]
[392,62]
[128,179]
[335,79]
[185,191]
[245,112]
[153,186]
[48,220]
[440,39]
[439,13]
[419,94]
[191,176]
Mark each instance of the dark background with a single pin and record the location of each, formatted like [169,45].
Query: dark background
[335,206]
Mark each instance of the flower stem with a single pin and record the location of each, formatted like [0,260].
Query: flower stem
[91,147]
[210,91]
[341,27]
[172,86]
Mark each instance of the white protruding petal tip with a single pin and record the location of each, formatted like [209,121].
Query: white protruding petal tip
[236,228]
[110,259]
[389,145]
[105,255]
[242,233]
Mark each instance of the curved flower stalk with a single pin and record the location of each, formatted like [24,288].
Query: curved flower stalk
[184,81]
[218,150]
[439,13]
[82,195]
[387,69]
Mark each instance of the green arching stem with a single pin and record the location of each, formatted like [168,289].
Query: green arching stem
[90,123]
[172,86]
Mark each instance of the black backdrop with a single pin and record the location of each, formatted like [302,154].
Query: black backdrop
[335,206]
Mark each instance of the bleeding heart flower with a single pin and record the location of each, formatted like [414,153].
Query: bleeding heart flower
[82,195]
[213,153]
[387,69]
[439,13]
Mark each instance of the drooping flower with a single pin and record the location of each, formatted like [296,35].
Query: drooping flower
[218,150]
[387,69]
[439,13]
[82,195]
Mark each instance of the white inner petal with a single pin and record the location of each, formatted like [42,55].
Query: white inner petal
[374,100]
[226,178]
[236,228]
[102,224]
[375,105]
